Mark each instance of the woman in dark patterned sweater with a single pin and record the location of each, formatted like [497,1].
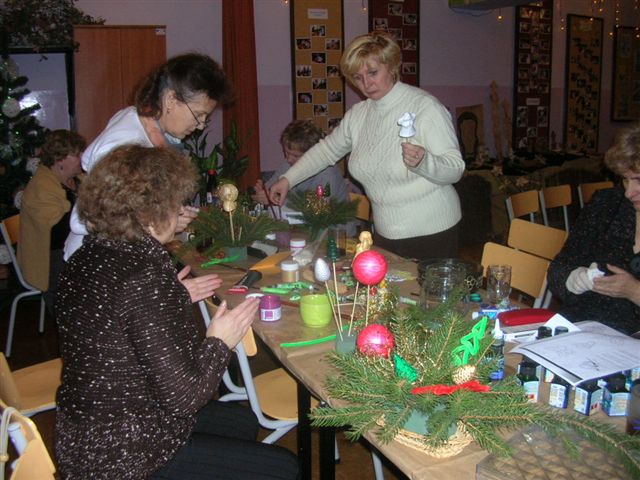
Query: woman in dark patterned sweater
[606,239]
[138,379]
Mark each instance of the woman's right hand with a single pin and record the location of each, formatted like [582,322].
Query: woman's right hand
[230,326]
[261,194]
[278,191]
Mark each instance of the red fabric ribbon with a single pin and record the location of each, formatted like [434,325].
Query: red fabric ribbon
[472,386]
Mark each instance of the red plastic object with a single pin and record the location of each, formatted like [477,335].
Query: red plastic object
[237,290]
[525,316]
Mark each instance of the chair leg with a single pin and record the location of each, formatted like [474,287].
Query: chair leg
[377,466]
[42,307]
[12,322]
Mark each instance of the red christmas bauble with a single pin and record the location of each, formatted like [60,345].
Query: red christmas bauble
[375,340]
[369,267]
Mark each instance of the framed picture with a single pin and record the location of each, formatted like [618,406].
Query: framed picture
[316,46]
[532,72]
[625,97]
[401,20]
[582,83]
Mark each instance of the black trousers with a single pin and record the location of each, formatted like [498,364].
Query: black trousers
[439,245]
[223,446]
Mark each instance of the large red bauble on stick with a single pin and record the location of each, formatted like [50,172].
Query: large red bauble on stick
[369,267]
[375,341]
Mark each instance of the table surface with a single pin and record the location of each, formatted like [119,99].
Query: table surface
[309,365]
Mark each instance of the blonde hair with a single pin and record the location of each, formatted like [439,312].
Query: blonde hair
[624,155]
[362,48]
[135,187]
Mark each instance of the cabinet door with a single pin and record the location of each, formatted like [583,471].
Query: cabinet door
[142,49]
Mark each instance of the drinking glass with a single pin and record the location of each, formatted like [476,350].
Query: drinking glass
[439,282]
[499,284]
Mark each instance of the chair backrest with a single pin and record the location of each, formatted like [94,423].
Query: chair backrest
[10,229]
[554,197]
[9,392]
[540,240]
[364,207]
[586,190]
[523,203]
[528,272]
[34,461]
[12,226]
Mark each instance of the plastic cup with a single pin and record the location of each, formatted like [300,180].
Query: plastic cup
[315,310]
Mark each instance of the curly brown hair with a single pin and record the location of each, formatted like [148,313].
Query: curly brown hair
[135,187]
[60,143]
[301,135]
[624,155]
[188,75]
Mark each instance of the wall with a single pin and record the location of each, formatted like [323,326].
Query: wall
[461,53]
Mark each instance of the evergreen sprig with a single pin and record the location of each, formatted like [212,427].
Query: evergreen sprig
[379,401]
[212,229]
[320,213]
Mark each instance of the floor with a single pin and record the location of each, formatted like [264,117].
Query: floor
[31,347]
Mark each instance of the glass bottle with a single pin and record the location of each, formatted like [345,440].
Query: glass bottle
[588,397]
[615,396]
[529,380]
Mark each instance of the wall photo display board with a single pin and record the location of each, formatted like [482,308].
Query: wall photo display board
[401,19]
[625,98]
[583,79]
[532,75]
[317,43]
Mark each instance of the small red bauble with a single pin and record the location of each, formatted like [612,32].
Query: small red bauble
[375,341]
[369,267]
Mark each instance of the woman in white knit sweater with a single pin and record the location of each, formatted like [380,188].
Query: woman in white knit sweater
[416,210]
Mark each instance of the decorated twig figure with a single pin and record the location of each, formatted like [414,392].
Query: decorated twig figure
[228,194]
[332,254]
[369,268]
[365,244]
[323,274]
[407,130]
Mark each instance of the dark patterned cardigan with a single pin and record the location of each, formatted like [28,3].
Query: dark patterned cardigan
[136,370]
[604,233]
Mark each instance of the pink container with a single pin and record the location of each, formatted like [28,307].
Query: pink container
[270,308]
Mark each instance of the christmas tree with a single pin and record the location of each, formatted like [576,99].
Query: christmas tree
[20,136]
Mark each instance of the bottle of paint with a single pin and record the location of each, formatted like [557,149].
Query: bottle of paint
[296,244]
[615,396]
[290,271]
[529,380]
[270,308]
[588,397]
[559,392]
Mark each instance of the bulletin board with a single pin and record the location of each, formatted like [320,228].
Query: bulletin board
[583,79]
[401,19]
[532,75]
[317,42]
[625,103]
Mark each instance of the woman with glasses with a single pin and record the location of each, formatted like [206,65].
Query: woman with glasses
[173,101]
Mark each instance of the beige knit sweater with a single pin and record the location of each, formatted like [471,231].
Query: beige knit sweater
[406,202]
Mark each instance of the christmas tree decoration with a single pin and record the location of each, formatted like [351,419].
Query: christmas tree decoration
[375,340]
[228,193]
[369,267]
[364,244]
[322,273]
[319,213]
[470,343]
[20,136]
[455,404]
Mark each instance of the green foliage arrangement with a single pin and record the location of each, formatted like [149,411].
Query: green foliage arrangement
[374,390]
[319,213]
[212,229]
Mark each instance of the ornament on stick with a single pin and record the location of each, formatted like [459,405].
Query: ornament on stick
[407,130]
[375,340]
[322,273]
[369,268]
[228,193]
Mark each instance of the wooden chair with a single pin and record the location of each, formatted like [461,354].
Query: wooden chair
[554,197]
[10,228]
[586,190]
[528,272]
[524,203]
[34,461]
[31,389]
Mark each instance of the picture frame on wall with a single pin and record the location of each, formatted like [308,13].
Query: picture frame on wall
[625,94]
[317,43]
[582,83]
[401,20]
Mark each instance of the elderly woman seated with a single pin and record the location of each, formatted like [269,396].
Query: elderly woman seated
[138,378]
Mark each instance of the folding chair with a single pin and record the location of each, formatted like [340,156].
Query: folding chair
[10,228]
[528,272]
[524,203]
[586,190]
[554,197]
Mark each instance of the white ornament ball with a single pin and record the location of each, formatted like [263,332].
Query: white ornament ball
[11,107]
[321,270]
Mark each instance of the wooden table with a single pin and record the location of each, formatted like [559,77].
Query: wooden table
[308,365]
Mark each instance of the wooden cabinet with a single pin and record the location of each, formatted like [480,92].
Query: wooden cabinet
[108,66]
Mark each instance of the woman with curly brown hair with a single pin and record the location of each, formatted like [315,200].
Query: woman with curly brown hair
[173,101]
[605,240]
[138,378]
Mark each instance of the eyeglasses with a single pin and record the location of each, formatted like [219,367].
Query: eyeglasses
[204,122]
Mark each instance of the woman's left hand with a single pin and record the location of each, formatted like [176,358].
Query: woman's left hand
[412,154]
[186,215]
[620,285]
[200,287]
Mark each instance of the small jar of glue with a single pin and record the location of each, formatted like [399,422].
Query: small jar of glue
[270,308]
[297,244]
[290,271]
